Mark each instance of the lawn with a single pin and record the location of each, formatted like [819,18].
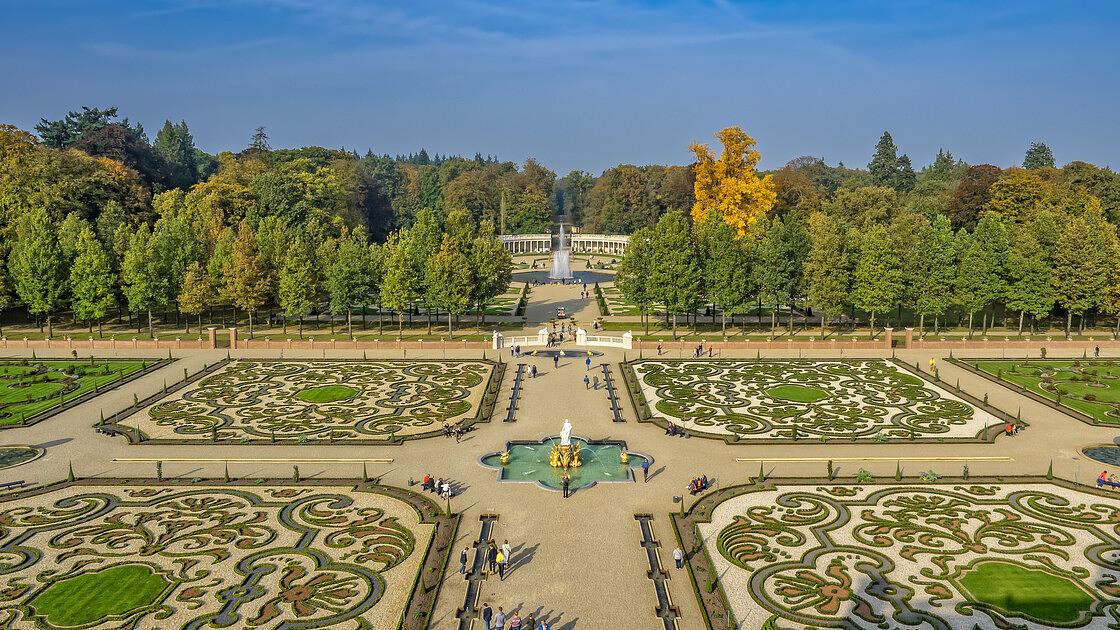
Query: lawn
[1017,589]
[1091,387]
[30,387]
[90,597]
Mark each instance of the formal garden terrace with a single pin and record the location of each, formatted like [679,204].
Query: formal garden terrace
[266,401]
[1086,389]
[985,554]
[114,554]
[784,400]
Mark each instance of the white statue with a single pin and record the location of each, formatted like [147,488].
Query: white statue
[566,434]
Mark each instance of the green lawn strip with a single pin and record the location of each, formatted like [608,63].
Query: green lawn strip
[91,597]
[326,393]
[1034,593]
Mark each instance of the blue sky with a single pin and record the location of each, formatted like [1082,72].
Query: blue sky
[583,84]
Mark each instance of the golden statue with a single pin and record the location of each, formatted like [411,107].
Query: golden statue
[624,457]
[565,454]
[505,458]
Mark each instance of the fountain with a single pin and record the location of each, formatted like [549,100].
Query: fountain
[561,265]
[547,461]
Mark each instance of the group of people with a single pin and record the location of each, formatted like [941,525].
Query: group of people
[1107,480]
[672,429]
[442,487]
[513,621]
[699,352]
[698,485]
[589,381]
[497,558]
[455,432]
[1012,428]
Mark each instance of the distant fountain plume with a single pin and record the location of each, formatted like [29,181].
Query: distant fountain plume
[561,266]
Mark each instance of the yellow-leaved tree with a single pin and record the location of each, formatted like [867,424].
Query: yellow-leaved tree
[730,184]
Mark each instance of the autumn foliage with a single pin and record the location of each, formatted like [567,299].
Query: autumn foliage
[730,184]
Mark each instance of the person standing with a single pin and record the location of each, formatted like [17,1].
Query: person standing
[507,551]
[501,565]
[595,382]
[587,362]
[658,348]
[566,481]
[463,561]
[500,619]
[492,558]
[645,471]
[515,622]
[487,614]
[555,360]
[586,382]
[678,557]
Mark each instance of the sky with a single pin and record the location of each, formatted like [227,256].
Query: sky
[583,84]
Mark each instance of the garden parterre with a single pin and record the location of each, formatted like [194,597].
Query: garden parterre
[305,400]
[99,555]
[941,556]
[782,400]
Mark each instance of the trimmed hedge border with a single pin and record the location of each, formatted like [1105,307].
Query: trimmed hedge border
[644,413]
[483,414]
[88,396]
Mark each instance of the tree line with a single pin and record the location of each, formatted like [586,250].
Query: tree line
[1033,240]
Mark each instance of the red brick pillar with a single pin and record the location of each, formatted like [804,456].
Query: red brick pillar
[888,337]
[233,337]
[909,338]
[213,334]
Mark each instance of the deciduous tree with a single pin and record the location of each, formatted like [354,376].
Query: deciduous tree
[730,185]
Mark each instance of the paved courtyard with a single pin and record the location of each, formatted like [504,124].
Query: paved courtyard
[579,562]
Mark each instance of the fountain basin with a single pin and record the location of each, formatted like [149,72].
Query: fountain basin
[528,463]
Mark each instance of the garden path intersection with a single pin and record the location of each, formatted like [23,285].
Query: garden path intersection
[334,551]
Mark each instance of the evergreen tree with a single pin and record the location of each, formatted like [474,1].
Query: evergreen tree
[1038,156]
[827,270]
[91,280]
[937,271]
[449,280]
[675,276]
[144,275]
[38,270]
[298,284]
[877,281]
[884,164]
[633,276]
[904,177]
[176,144]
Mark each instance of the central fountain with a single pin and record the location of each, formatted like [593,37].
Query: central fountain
[561,264]
[565,454]
[548,461]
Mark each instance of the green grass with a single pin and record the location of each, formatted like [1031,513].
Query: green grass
[1091,387]
[91,597]
[27,390]
[797,393]
[1034,593]
[326,394]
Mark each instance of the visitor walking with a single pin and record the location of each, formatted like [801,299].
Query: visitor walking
[530,622]
[533,371]
[658,348]
[595,382]
[586,382]
[678,557]
[566,481]
[501,565]
[507,551]
[515,622]
[500,619]
[555,361]
[463,561]
[487,614]
[587,362]
[645,471]
[492,558]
